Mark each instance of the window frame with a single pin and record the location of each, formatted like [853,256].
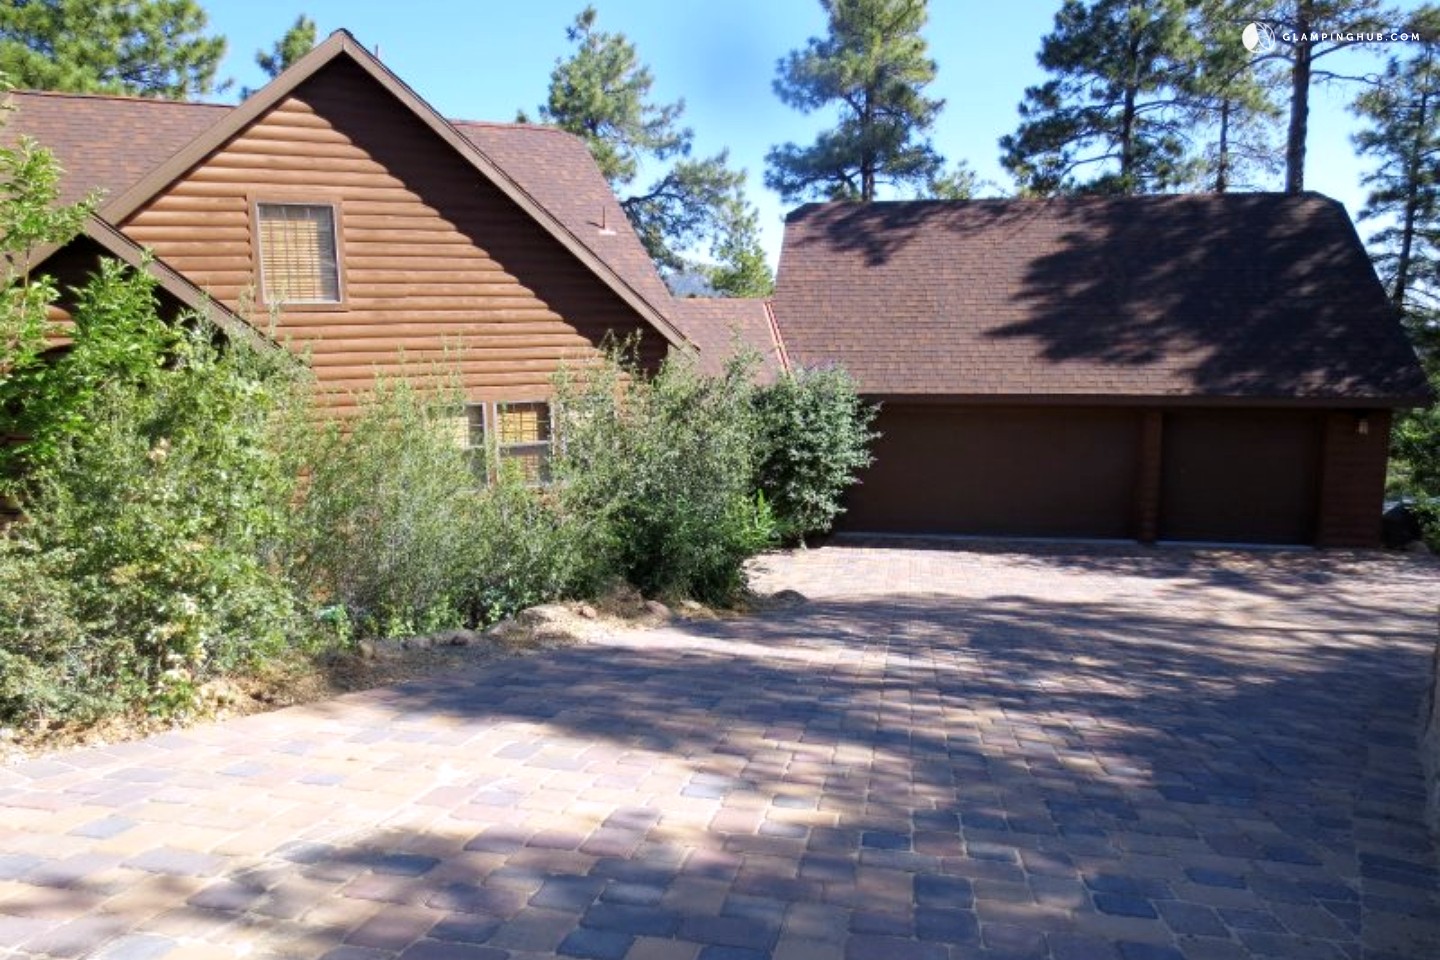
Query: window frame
[300,199]
[495,451]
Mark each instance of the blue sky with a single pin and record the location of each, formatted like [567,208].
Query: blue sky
[484,59]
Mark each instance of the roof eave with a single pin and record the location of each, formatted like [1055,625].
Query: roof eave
[115,243]
[1152,401]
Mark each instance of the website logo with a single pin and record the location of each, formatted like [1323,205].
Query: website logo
[1257,38]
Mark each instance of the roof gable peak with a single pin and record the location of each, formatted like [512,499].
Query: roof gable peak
[342,45]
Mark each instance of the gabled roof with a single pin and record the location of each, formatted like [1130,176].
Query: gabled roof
[718,325]
[79,257]
[107,142]
[102,141]
[557,169]
[1266,297]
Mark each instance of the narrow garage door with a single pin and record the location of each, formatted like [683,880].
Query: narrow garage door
[1000,471]
[1242,476]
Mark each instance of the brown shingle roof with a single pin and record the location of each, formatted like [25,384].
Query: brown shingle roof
[114,142]
[714,324]
[556,168]
[1256,296]
[107,141]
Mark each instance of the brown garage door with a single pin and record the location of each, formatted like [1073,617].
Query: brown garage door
[1000,471]
[1242,476]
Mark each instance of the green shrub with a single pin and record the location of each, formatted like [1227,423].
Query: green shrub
[1415,453]
[814,438]
[385,525]
[665,467]
[152,497]
[530,549]
[400,532]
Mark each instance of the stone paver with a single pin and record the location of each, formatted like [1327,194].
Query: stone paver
[1049,752]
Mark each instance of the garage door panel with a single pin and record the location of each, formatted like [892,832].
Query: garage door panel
[1000,471]
[1242,476]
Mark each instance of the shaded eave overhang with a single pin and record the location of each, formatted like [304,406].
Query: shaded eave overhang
[122,248]
[1147,401]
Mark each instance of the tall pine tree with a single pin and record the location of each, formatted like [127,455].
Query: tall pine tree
[872,66]
[602,94]
[296,42]
[1401,114]
[1117,113]
[148,48]
[1232,102]
[1401,136]
[1305,32]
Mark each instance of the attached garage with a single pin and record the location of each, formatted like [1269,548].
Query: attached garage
[1008,471]
[1248,475]
[1241,475]
[1195,368]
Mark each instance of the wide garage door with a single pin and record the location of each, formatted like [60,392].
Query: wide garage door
[1000,471]
[1248,476]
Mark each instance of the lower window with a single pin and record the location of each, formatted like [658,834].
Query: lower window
[514,437]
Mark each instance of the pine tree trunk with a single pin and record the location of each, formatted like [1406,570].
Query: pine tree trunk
[1412,201]
[1222,165]
[1127,143]
[1127,121]
[1299,101]
[867,156]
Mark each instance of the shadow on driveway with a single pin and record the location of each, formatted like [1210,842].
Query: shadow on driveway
[979,753]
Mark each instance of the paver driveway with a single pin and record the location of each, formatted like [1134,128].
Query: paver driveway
[1055,752]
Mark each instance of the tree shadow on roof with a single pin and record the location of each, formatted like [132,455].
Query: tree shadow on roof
[1256,296]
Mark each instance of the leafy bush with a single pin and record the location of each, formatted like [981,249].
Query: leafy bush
[1415,452]
[29,218]
[384,527]
[1427,511]
[399,529]
[530,549]
[665,467]
[814,437]
[147,518]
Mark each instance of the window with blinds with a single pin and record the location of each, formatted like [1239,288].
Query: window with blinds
[298,257]
[516,433]
[522,439]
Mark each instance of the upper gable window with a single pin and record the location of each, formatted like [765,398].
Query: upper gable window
[299,259]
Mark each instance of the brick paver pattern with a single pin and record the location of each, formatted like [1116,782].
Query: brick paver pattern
[1051,753]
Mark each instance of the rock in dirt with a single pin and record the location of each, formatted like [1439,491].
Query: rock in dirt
[691,610]
[507,629]
[457,638]
[543,614]
[782,599]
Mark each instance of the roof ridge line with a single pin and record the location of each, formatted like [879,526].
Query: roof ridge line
[124,97]
[515,125]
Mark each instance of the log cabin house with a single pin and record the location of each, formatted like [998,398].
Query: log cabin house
[345,218]
[1217,368]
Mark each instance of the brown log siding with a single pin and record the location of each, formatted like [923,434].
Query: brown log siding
[438,265]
